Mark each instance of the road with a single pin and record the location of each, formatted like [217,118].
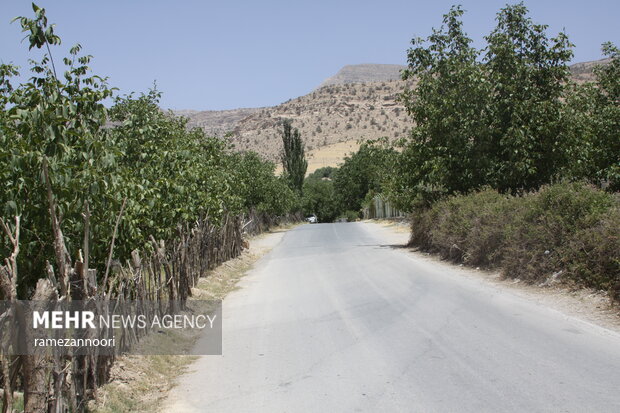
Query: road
[336,319]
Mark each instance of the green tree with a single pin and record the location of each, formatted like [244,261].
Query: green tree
[171,175]
[319,198]
[593,113]
[607,138]
[54,124]
[57,130]
[293,156]
[528,72]
[260,189]
[324,172]
[447,149]
[361,173]
[496,119]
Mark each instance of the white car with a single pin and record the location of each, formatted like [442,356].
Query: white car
[312,219]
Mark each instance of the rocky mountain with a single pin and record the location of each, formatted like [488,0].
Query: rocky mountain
[329,115]
[359,103]
[364,73]
[216,122]
[584,71]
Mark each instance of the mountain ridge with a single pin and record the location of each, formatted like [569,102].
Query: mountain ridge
[358,103]
[364,72]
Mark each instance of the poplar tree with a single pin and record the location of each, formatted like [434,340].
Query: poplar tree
[293,156]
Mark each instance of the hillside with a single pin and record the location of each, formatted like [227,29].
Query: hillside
[364,73]
[329,115]
[216,122]
[357,104]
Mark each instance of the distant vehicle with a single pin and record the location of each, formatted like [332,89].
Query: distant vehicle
[312,219]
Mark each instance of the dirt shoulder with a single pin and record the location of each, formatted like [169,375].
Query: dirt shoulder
[584,304]
[141,383]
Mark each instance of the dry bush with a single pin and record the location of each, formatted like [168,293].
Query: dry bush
[592,258]
[569,230]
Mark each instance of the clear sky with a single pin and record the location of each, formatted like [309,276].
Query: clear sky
[227,54]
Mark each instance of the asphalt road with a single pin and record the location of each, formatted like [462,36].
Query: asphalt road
[335,319]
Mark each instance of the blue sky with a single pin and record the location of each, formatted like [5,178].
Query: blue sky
[209,55]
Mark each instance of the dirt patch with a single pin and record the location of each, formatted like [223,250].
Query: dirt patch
[141,383]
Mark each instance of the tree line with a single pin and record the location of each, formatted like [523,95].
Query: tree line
[131,161]
[506,117]
[119,203]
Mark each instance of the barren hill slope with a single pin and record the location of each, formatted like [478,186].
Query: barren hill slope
[216,122]
[357,104]
[364,73]
[329,115]
[584,71]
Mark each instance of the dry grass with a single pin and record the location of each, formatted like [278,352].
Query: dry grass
[397,225]
[141,383]
[330,155]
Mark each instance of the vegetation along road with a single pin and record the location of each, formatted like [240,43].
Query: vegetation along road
[338,318]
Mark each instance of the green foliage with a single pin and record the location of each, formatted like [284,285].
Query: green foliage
[58,123]
[508,119]
[528,73]
[608,76]
[492,117]
[170,175]
[447,149]
[260,188]
[97,160]
[333,192]
[361,173]
[568,229]
[39,32]
[320,198]
[293,156]
[351,216]
[593,117]
[325,172]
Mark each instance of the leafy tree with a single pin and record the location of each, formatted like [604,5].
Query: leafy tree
[447,149]
[54,124]
[362,173]
[260,189]
[293,157]
[593,113]
[325,172]
[495,119]
[171,175]
[528,72]
[55,130]
[607,139]
[319,198]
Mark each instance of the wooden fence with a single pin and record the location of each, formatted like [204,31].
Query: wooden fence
[53,383]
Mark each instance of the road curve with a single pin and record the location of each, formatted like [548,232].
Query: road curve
[335,319]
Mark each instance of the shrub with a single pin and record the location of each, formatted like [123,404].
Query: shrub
[537,237]
[591,257]
[568,229]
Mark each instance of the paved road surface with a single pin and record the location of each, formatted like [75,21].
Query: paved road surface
[334,319]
